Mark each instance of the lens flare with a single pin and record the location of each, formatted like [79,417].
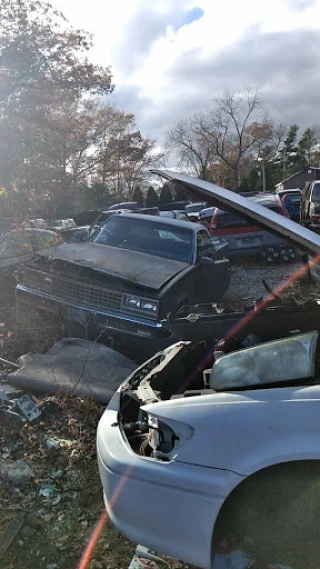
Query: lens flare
[87,554]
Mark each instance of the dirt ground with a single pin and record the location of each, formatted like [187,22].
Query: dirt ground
[59,507]
[57,529]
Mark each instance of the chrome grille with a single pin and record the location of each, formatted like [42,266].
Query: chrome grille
[76,292]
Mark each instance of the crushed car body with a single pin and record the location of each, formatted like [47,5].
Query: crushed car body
[203,423]
[132,273]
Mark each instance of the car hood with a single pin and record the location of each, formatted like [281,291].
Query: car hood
[139,268]
[297,235]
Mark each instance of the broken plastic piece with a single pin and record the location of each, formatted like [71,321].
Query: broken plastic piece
[146,553]
[52,443]
[142,563]
[28,407]
[145,558]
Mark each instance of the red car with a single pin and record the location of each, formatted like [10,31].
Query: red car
[247,239]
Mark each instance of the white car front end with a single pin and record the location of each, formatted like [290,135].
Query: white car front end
[169,506]
[170,451]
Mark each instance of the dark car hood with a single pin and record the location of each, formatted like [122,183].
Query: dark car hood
[133,266]
[297,235]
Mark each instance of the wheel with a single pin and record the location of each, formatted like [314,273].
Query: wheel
[270,254]
[287,254]
[275,516]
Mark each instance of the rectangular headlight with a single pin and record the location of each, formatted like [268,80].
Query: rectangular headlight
[287,359]
[149,305]
[142,305]
[132,301]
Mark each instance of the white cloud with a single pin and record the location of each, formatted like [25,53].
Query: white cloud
[164,69]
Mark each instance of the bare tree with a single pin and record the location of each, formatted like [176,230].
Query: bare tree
[193,145]
[227,126]
[219,145]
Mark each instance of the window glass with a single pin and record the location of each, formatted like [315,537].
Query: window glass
[316,193]
[228,220]
[158,239]
[206,244]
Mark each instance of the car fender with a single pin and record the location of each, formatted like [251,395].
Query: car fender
[244,432]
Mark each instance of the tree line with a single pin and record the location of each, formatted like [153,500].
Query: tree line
[228,144]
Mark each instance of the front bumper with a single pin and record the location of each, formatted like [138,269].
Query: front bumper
[126,333]
[170,507]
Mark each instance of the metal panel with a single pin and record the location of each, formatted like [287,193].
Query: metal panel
[231,201]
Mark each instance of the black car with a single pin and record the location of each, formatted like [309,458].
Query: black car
[133,272]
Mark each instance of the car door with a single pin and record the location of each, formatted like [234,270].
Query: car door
[213,268]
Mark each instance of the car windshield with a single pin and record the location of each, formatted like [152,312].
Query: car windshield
[316,193]
[292,199]
[227,220]
[159,239]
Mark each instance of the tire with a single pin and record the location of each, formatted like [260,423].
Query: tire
[270,254]
[276,516]
[287,254]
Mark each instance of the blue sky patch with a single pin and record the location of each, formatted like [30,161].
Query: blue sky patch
[189,17]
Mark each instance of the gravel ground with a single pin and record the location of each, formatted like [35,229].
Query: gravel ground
[247,278]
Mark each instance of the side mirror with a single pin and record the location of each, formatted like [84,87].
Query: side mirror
[205,261]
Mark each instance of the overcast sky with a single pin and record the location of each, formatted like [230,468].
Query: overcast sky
[170,58]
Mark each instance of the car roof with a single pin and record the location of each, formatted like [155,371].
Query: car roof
[32,230]
[267,200]
[165,211]
[193,204]
[120,205]
[284,227]
[162,220]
